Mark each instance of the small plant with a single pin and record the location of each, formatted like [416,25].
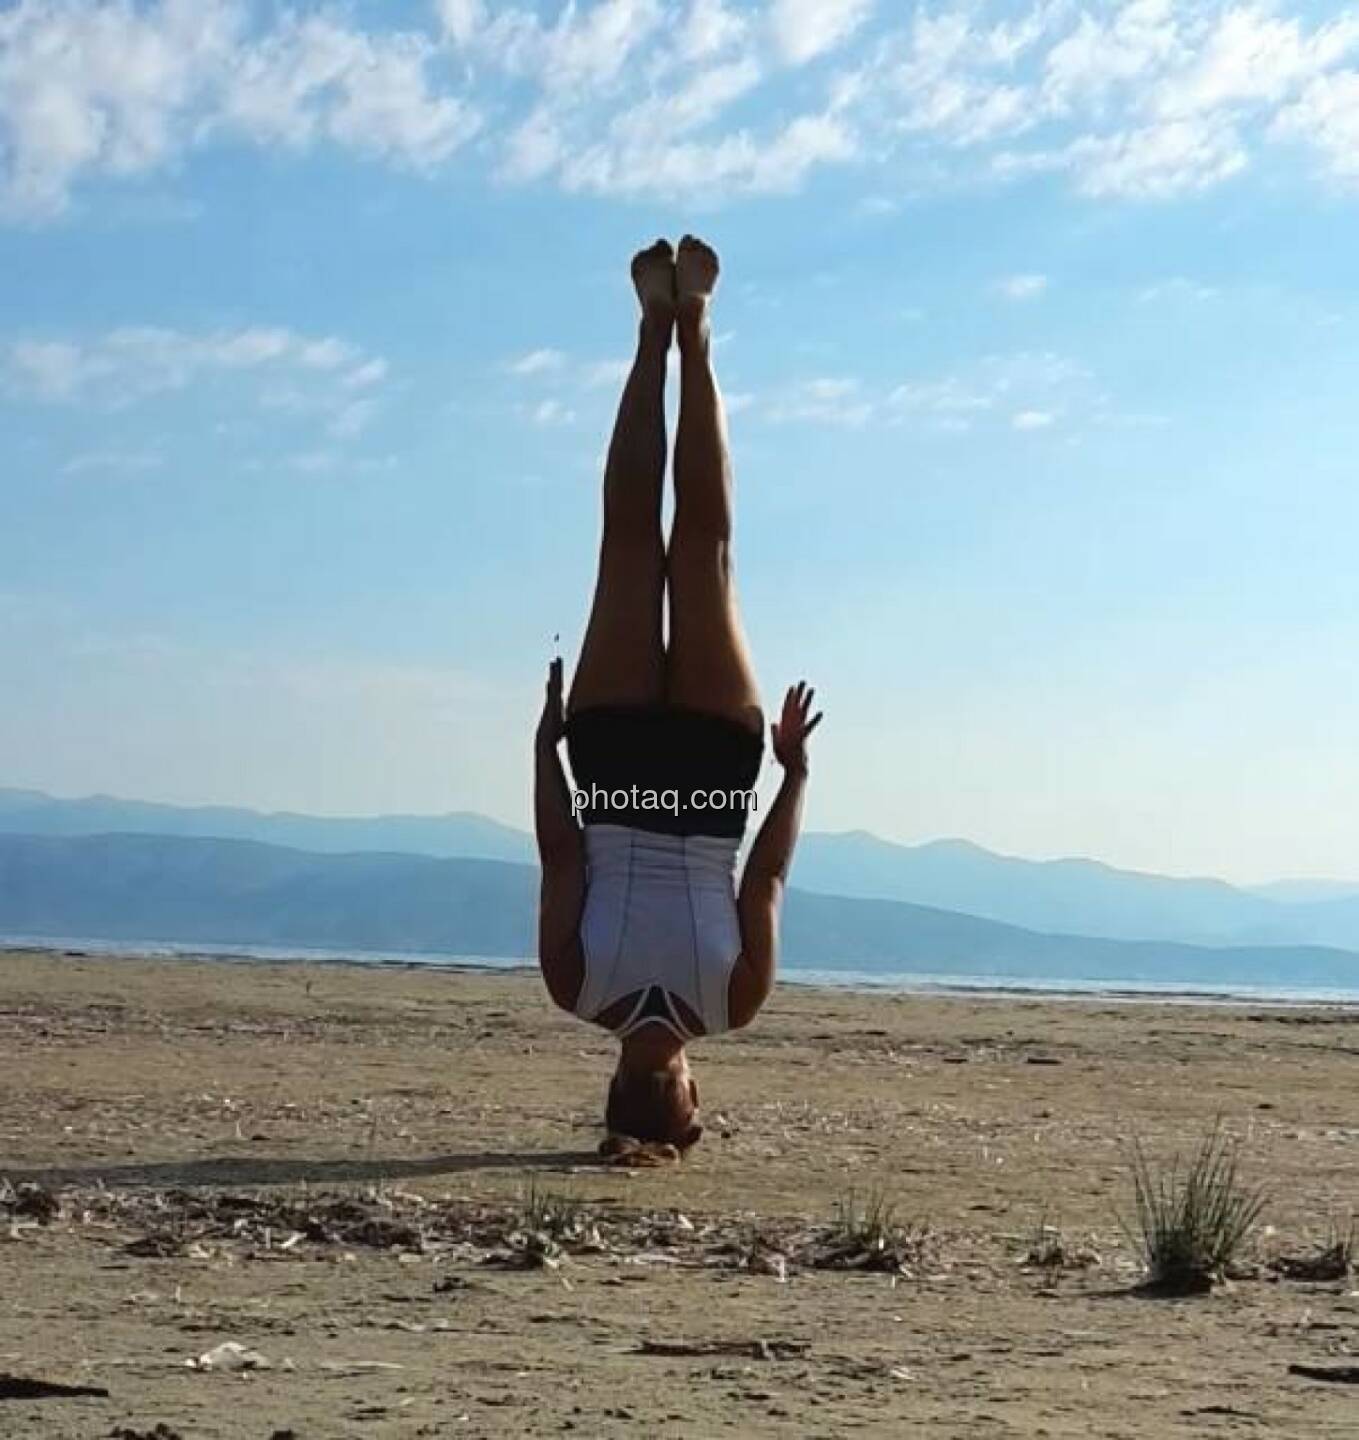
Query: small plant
[1333,1260]
[1047,1248]
[868,1221]
[548,1213]
[865,1234]
[1190,1224]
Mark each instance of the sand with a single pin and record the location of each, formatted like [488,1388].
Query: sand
[410,1111]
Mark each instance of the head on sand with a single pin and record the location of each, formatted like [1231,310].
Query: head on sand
[656,1106]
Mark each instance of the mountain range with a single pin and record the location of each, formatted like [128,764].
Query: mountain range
[1072,896]
[224,893]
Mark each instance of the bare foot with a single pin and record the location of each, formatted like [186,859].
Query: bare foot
[653,273]
[696,272]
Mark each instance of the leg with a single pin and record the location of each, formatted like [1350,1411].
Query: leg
[622,659]
[709,663]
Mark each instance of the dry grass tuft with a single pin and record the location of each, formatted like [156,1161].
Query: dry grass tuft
[1192,1223]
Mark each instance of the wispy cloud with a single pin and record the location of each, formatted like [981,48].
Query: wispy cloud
[826,400]
[119,462]
[537,362]
[599,373]
[804,29]
[1177,287]
[1022,287]
[109,88]
[949,396]
[293,372]
[1026,389]
[552,412]
[1138,99]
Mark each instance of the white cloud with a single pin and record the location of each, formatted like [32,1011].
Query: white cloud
[304,374]
[109,88]
[826,400]
[352,418]
[1326,115]
[1144,99]
[1156,161]
[552,412]
[1177,287]
[537,362]
[739,163]
[709,28]
[588,374]
[611,373]
[313,78]
[371,372]
[1030,386]
[1022,287]
[938,397]
[804,29]
[47,369]
[462,19]
[691,100]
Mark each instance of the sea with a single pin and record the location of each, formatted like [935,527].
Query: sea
[877,981]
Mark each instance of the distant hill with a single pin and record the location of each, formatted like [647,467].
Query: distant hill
[240,892]
[1307,891]
[233,892]
[460,833]
[1073,897]
[1081,897]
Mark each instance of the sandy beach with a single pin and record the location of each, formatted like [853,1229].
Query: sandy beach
[380,1183]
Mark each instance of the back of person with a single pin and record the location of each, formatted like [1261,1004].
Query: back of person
[660,911]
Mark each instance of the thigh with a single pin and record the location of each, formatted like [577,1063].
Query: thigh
[708,666]
[622,659]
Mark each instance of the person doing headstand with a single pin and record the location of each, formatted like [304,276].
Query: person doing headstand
[642,926]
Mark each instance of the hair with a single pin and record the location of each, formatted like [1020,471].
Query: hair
[656,1108]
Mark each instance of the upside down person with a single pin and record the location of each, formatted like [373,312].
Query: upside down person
[642,926]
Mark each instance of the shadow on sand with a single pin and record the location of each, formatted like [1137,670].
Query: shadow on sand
[242,1171]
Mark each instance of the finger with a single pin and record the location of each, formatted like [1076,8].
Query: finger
[816,720]
[807,702]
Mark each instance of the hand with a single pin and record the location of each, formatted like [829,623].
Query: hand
[552,723]
[791,729]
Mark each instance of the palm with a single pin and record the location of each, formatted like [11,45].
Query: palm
[552,722]
[794,725]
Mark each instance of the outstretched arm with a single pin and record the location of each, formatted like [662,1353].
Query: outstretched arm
[769,861]
[561,853]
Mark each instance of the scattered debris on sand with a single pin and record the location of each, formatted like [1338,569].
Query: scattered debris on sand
[758,1349]
[541,1231]
[231,1358]
[28,1202]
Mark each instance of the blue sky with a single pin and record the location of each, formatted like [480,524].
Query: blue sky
[1041,326]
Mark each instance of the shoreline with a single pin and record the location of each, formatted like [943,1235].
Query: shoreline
[854,982]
